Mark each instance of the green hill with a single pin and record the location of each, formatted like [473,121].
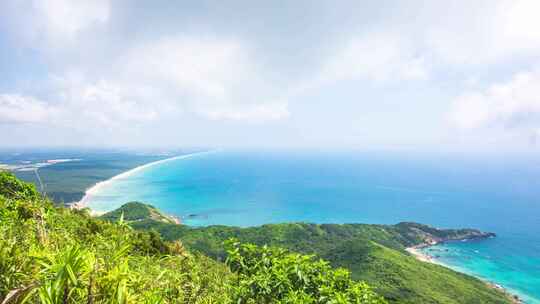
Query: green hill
[373,253]
[136,211]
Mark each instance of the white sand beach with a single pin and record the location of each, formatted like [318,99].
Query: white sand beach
[83,203]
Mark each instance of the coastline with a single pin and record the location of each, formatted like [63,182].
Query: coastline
[424,257]
[415,251]
[83,203]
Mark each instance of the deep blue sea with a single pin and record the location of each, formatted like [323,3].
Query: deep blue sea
[496,194]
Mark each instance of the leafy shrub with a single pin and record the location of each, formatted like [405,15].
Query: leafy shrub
[12,187]
[274,275]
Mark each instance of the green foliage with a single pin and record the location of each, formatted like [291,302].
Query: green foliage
[55,255]
[63,275]
[13,188]
[274,275]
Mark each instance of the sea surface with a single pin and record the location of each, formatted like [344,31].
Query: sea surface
[246,188]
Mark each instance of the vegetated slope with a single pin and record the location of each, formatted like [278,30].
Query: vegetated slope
[55,255]
[373,253]
[403,279]
[135,211]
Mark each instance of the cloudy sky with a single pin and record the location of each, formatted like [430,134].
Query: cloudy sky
[439,74]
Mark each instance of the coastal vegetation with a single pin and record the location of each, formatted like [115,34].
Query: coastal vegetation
[51,254]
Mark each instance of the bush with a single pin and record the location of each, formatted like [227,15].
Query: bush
[13,188]
[274,275]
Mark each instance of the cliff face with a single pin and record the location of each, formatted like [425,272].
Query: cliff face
[424,235]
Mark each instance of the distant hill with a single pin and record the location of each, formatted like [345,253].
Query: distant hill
[137,211]
[373,253]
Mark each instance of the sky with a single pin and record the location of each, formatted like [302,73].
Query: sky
[457,75]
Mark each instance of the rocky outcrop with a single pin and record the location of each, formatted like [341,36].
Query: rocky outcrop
[423,235]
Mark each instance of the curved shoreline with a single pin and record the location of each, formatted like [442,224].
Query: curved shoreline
[418,254]
[424,257]
[83,203]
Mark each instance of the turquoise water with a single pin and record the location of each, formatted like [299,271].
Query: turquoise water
[253,188]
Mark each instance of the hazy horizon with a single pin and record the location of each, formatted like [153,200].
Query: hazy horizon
[461,76]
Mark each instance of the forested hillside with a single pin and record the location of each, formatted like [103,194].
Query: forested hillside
[373,253]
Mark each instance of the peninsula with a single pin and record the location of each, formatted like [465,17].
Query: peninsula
[375,254]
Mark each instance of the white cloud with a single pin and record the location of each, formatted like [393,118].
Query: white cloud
[78,106]
[214,78]
[53,23]
[22,109]
[205,67]
[64,18]
[514,104]
[485,33]
[254,113]
[376,56]
[104,104]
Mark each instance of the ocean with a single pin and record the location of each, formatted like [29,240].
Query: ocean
[246,188]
